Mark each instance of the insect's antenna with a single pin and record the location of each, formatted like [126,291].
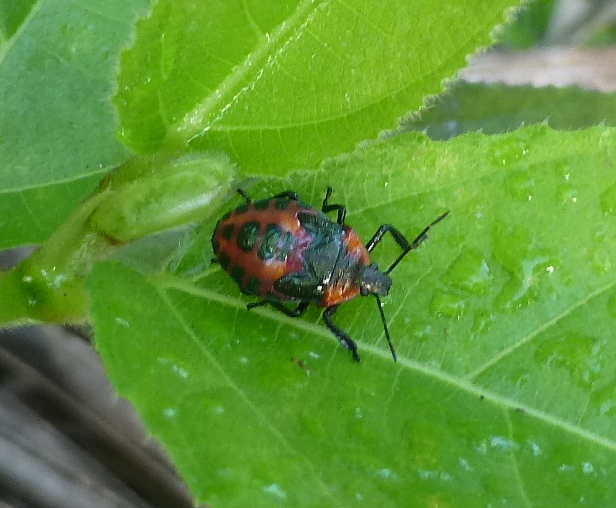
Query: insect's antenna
[384,321]
[417,242]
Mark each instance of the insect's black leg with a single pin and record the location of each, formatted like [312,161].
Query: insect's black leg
[296,312]
[346,341]
[214,261]
[400,238]
[245,195]
[414,244]
[378,236]
[341,209]
[287,194]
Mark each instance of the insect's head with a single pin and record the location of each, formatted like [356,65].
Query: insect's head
[372,281]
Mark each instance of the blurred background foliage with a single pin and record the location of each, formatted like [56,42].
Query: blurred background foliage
[569,37]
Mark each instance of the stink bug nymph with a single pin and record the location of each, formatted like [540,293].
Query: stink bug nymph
[284,250]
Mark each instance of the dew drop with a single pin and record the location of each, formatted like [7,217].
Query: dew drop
[503,443]
[482,448]
[520,185]
[580,356]
[535,448]
[386,474]
[275,490]
[482,322]
[566,194]
[605,399]
[169,412]
[601,262]
[470,271]
[464,464]
[507,151]
[179,371]
[608,201]
[122,322]
[513,295]
[447,304]
[525,260]
[431,474]
[511,245]
[67,30]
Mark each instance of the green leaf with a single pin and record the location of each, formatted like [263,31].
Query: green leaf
[503,320]
[29,215]
[283,85]
[12,15]
[57,129]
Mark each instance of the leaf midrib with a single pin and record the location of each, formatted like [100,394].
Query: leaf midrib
[9,43]
[237,81]
[274,430]
[162,283]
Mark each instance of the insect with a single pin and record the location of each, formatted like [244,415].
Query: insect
[284,250]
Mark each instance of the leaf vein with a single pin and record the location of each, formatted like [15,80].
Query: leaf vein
[260,415]
[533,335]
[459,383]
[514,461]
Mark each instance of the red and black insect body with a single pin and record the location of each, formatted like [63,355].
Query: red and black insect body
[284,250]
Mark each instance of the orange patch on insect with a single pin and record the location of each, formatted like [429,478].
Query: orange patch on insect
[345,290]
[355,246]
[342,292]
